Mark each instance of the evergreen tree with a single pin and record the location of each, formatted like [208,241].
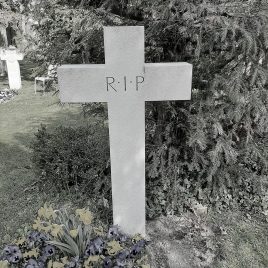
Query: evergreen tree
[213,148]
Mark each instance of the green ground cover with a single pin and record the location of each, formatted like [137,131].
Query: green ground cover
[19,120]
[245,245]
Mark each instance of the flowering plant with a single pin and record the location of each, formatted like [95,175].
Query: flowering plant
[70,240]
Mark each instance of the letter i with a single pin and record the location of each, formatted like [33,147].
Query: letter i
[125,82]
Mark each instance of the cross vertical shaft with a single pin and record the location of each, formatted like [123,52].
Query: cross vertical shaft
[127,150]
[124,50]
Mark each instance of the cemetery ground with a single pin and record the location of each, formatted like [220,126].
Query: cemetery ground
[20,118]
[214,240]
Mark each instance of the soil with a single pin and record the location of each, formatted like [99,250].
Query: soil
[182,242]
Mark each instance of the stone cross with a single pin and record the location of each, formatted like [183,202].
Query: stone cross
[126,82]
[13,68]
[2,63]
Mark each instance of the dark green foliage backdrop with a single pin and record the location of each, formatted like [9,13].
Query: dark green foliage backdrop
[75,160]
[213,148]
[71,156]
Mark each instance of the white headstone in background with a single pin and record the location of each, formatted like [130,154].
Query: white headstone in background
[2,63]
[126,82]
[11,57]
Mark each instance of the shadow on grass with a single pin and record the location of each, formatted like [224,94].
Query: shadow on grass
[61,118]
[4,82]
[246,241]
[21,196]
[26,69]
[15,175]
[19,199]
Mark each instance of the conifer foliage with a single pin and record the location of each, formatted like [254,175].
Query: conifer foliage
[214,148]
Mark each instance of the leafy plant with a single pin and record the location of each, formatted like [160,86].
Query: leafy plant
[67,157]
[61,239]
[214,148]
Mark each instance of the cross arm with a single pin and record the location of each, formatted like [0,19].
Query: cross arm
[11,58]
[82,83]
[167,81]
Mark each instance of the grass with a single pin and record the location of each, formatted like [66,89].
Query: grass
[246,242]
[182,241]
[19,120]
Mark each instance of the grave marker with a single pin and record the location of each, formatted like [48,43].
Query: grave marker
[2,63]
[13,68]
[126,82]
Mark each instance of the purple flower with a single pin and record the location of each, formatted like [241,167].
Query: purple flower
[42,259]
[73,263]
[12,254]
[124,254]
[37,237]
[107,263]
[41,264]
[141,243]
[95,247]
[113,232]
[121,258]
[123,238]
[49,251]
[90,250]
[31,264]
[138,247]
